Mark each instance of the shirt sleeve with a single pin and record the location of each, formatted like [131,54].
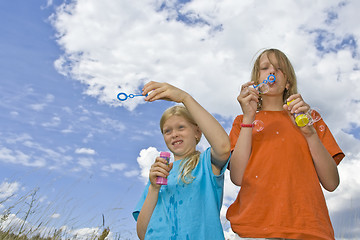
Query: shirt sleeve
[217,180]
[329,141]
[140,202]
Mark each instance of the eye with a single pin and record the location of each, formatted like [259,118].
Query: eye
[167,131]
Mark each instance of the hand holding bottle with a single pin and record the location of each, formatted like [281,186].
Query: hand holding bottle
[296,105]
[160,168]
[163,180]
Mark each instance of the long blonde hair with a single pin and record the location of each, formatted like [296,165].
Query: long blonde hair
[286,68]
[191,160]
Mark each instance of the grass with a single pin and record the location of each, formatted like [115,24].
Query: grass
[8,235]
[23,219]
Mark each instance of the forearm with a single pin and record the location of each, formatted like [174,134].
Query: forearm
[241,154]
[325,165]
[146,212]
[211,128]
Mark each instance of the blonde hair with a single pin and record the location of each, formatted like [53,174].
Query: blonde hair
[286,68]
[191,160]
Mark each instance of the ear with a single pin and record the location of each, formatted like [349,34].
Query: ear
[287,86]
[198,133]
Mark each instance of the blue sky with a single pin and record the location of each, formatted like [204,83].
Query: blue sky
[63,132]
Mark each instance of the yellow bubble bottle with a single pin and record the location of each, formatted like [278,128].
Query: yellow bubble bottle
[300,118]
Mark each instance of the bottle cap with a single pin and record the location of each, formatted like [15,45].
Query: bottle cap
[289,102]
[165,154]
[302,120]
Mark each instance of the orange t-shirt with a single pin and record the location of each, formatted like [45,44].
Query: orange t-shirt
[280,195]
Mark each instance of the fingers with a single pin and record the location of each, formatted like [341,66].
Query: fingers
[160,168]
[245,88]
[296,104]
[248,93]
[164,91]
[153,90]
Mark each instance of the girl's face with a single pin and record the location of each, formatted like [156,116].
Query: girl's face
[180,136]
[268,64]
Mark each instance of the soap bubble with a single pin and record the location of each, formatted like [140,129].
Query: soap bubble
[258,125]
[263,88]
[314,115]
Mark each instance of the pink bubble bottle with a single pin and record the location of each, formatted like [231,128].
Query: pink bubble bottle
[162,180]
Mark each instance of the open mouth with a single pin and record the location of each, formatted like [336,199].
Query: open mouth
[175,143]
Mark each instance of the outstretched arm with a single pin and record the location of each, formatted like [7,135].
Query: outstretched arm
[210,127]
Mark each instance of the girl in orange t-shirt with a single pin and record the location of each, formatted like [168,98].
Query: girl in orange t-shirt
[279,168]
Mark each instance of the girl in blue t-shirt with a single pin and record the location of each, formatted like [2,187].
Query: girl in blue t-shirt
[188,207]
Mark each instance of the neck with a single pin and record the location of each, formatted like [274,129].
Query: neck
[272,103]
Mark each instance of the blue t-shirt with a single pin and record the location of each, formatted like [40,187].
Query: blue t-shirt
[188,211]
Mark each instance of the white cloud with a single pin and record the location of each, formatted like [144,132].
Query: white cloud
[87,151]
[18,157]
[145,160]
[54,122]
[13,139]
[48,4]
[131,50]
[8,189]
[55,215]
[14,113]
[113,124]
[347,195]
[86,162]
[20,149]
[114,167]
[49,98]
[69,129]
[37,106]
[121,167]
[132,173]
[40,105]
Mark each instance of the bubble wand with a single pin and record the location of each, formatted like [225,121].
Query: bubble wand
[264,87]
[123,96]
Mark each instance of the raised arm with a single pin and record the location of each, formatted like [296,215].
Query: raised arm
[248,99]
[210,127]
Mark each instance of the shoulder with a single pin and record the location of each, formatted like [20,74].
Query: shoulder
[206,154]
[238,119]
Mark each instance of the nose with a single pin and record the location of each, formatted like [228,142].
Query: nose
[174,133]
[272,69]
